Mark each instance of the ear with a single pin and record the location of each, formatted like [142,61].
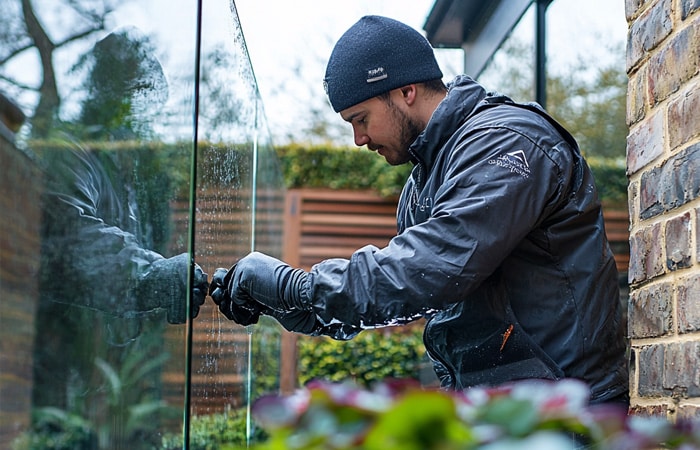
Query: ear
[409,93]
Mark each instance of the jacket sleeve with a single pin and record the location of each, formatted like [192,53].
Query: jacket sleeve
[497,188]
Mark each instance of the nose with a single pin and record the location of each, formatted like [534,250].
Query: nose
[360,138]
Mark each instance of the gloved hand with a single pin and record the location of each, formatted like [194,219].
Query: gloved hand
[246,313]
[260,284]
[164,285]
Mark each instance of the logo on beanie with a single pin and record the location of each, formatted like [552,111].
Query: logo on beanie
[376,74]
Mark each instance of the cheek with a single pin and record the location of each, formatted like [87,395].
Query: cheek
[381,131]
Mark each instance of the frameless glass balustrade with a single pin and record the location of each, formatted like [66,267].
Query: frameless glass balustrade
[134,159]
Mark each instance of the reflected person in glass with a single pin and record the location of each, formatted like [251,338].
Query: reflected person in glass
[107,290]
[501,244]
[93,237]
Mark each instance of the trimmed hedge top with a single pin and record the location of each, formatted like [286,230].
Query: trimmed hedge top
[357,168]
[352,168]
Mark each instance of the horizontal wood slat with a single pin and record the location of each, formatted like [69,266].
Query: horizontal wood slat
[322,224]
[617,223]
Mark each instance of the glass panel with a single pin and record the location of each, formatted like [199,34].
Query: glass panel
[511,70]
[240,200]
[95,235]
[99,223]
[587,82]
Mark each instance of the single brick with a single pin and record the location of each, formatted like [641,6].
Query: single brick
[688,7]
[673,184]
[633,200]
[660,410]
[684,117]
[635,271]
[689,305]
[645,142]
[681,369]
[688,412]
[653,248]
[650,187]
[651,311]
[678,242]
[636,96]
[651,371]
[673,64]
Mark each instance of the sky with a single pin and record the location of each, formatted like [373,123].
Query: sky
[286,38]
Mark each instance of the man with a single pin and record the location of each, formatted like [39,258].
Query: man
[500,244]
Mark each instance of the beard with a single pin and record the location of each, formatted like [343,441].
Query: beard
[408,130]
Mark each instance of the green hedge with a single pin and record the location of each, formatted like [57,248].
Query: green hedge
[340,168]
[317,166]
[374,355]
[358,169]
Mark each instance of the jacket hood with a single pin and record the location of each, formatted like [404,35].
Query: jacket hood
[463,96]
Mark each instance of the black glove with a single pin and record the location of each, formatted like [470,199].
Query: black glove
[260,284]
[265,280]
[165,286]
[243,314]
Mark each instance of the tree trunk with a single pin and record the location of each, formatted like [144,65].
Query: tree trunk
[49,101]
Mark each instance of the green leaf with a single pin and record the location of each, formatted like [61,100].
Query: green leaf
[516,417]
[421,421]
[112,378]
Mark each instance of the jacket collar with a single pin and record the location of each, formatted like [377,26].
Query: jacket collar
[463,95]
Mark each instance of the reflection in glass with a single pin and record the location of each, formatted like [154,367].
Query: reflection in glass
[97,242]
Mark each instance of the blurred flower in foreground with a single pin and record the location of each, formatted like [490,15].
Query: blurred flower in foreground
[400,415]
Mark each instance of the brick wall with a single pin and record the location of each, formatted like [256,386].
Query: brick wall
[20,243]
[663,160]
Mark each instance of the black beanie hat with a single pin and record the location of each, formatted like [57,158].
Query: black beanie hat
[374,56]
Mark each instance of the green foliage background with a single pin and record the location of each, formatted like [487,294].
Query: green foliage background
[305,166]
[369,358]
[358,169]
[332,167]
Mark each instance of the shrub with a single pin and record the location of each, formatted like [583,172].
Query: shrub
[56,429]
[370,357]
[340,168]
[221,431]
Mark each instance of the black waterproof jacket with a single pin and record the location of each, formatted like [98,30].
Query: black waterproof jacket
[500,245]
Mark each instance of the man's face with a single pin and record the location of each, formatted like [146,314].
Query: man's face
[383,126]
